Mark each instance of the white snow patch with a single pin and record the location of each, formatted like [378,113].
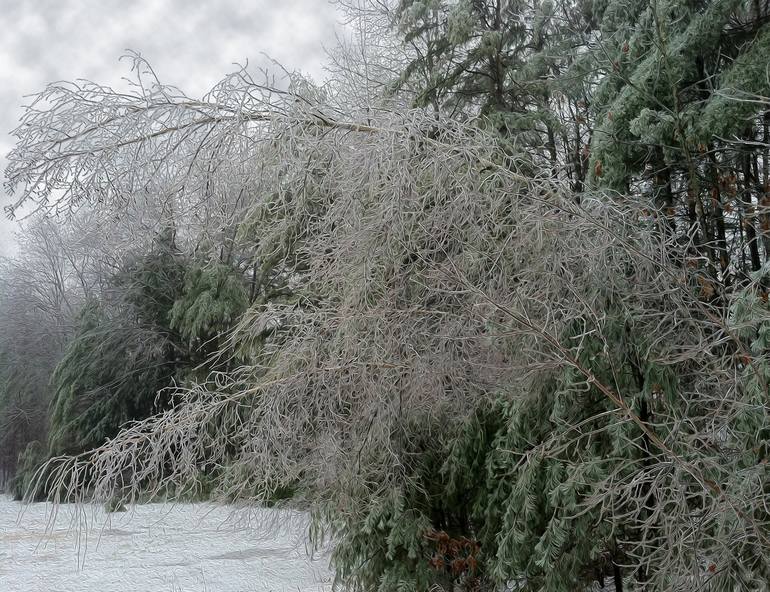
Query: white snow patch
[156,548]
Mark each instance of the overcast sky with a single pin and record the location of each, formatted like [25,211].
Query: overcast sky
[190,43]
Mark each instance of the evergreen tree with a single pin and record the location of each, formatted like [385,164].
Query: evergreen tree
[123,354]
[212,300]
[511,63]
[674,112]
[165,318]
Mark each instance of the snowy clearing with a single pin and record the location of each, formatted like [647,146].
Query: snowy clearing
[155,548]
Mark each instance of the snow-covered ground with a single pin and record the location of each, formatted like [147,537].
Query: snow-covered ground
[155,548]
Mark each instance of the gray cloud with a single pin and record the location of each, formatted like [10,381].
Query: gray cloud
[191,44]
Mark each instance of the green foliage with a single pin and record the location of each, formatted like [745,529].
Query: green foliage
[423,533]
[129,351]
[741,83]
[23,412]
[483,58]
[521,479]
[150,283]
[212,300]
[110,373]
[30,346]
[749,317]
[556,448]
[122,355]
[668,86]
[27,477]
[386,548]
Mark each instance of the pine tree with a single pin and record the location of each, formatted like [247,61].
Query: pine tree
[212,300]
[511,63]
[123,354]
[674,112]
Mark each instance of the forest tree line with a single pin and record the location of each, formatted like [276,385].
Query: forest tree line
[491,301]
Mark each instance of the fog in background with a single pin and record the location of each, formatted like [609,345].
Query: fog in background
[190,44]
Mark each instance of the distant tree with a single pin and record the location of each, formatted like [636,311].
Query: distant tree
[41,289]
[511,63]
